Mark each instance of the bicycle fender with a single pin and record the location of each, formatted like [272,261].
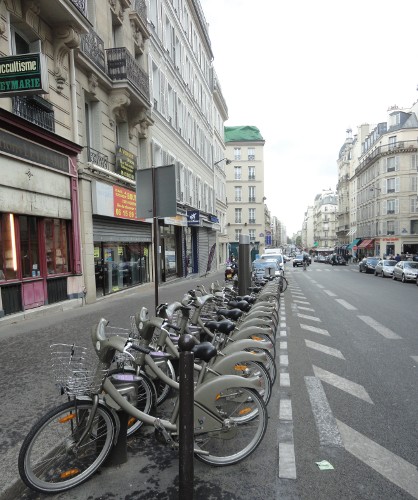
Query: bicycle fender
[243,344]
[226,365]
[247,333]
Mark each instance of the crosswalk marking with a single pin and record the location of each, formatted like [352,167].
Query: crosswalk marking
[343,384]
[383,330]
[392,467]
[314,329]
[325,349]
[302,308]
[312,318]
[326,424]
[346,304]
[301,302]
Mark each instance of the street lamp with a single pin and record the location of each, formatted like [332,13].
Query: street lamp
[226,161]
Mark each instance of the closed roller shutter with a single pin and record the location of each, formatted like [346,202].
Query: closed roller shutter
[203,246]
[121,230]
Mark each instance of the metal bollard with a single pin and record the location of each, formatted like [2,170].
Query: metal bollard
[119,453]
[186,418]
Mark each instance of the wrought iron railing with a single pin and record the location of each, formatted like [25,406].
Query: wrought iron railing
[97,158]
[140,8]
[93,47]
[387,149]
[122,66]
[35,110]
[81,6]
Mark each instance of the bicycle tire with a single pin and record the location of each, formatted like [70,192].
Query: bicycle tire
[144,394]
[269,365]
[283,284]
[238,436]
[163,390]
[256,369]
[48,461]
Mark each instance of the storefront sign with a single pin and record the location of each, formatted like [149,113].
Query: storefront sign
[24,74]
[124,203]
[193,217]
[125,163]
[214,219]
[178,220]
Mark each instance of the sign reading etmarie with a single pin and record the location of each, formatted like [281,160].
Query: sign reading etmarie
[24,74]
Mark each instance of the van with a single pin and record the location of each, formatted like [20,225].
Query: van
[273,250]
[277,256]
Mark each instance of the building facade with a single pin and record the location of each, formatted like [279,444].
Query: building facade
[245,188]
[324,221]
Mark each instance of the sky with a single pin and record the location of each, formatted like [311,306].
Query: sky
[304,72]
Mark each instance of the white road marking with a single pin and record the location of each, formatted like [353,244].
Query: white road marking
[287,462]
[284,380]
[285,412]
[284,359]
[301,302]
[283,345]
[331,294]
[343,384]
[305,308]
[320,286]
[283,325]
[312,318]
[346,304]
[314,329]
[325,349]
[392,467]
[326,424]
[415,358]
[283,333]
[385,332]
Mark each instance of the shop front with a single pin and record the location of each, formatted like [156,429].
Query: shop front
[40,260]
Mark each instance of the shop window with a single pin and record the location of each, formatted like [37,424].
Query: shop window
[8,256]
[56,245]
[29,247]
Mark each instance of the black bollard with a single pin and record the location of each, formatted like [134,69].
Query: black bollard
[119,453]
[186,418]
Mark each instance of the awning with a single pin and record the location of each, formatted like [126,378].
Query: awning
[315,244]
[366,244]
[353,243]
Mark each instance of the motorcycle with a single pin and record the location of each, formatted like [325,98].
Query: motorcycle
[231,271]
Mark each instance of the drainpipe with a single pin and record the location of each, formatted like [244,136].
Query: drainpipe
[73,93]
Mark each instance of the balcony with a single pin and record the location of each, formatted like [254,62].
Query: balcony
[138,18]
[251,199]
[251,221]
[97,158]
[386,150]
[65,12]
[36,110]
[251,177]
[122,66]
[251,157]
[93,47]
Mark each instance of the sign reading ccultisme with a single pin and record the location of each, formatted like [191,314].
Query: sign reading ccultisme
[24,74]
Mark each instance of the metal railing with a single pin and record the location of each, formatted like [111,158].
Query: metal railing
[97,158]
[81,6]
[93,47]
[386,150]
[122,66]
[35,110]
[140,8]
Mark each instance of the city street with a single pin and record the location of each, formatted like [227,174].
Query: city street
[345,394]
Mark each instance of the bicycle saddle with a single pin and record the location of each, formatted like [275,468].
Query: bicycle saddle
[224,326]
[240,304]
[204,351]
[233,314]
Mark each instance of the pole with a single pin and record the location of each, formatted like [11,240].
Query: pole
[156,240]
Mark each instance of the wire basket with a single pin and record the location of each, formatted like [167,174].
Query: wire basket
[76,369]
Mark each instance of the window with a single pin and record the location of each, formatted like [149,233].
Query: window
[391,227]
[251,153]
[237,173]
[413,204]
[251,194]
[391,205]
[238,215]
[414,162]
[413,183]
[29,246]
[251,173]
[392,185]
[251,215]
[392,164]
[237,234]
[392,142]
[237,153]
[251,232]
[8,258]
[238,193]
[56,245]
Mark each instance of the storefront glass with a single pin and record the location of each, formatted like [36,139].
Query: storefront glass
[56,246]
[29,248]
[119,266]
[8,256]
[168,255]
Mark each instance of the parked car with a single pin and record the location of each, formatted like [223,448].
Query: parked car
[368,264]
[385,268]
[405,270]
[337,260]
[261,267]
[298,260]
[277,256]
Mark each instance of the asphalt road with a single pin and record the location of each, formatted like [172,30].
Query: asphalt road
[347,356]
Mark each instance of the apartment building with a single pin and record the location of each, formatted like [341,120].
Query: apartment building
[245,187]
[117,86]
[324,221]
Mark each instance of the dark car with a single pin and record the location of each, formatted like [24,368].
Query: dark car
[368,264]
[298,260]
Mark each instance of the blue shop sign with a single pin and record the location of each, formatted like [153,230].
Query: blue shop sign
[193,217]
[213,218]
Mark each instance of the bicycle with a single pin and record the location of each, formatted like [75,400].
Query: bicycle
[68,444]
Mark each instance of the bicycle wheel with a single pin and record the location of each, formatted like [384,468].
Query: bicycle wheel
[51,460]
[238,435]
[283,284]
[163,390]
[270,364]
[137,389]
[255,369]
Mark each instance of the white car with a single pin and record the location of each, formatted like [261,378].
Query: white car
[385,268]
[405,270]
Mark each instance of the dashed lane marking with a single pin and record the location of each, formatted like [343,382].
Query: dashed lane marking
[331,294]
[306,316]
[325,349]
[343,384]
[383,330]
[303,308]
[392,467]
[314,329]
[346,304]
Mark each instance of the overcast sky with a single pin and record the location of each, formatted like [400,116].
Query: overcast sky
[305,71]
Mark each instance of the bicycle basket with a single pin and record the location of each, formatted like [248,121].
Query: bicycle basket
[76,369]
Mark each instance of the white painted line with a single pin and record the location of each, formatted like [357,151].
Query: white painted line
[285,412]
[326,424]
[343,384]
[287,462]
[394,468]
[305,316]
[314,329]
[283,345]
[385,332]
[325,349]
[415,358]
[283,333]
[284,359]
[284,380]
[346,304]
[283,325]
[331,294]
[302,308]
[301,302]
[320,286]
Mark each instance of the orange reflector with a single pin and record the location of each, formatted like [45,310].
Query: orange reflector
[218,396]
[245,411]
[69,473]
[131,421]
[254,337]
[240,368]
[68,417]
